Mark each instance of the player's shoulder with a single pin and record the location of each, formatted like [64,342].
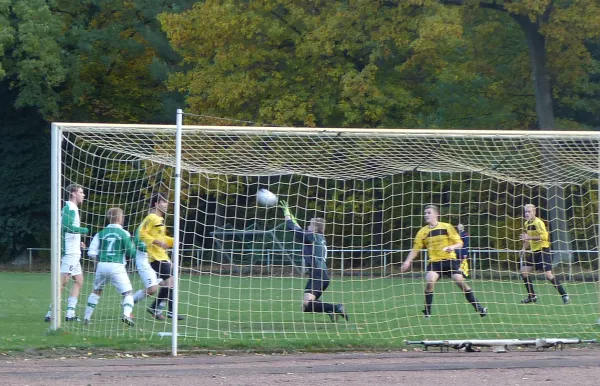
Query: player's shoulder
[121,231]
[445,225]
[69,206]
[150,218]
[424,230]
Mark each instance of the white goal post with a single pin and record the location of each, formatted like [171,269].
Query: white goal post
[239,272]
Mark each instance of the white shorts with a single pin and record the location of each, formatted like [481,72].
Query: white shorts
[115,273]
[71,264]
[147,274]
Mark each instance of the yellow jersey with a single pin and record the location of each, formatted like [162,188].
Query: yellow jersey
[153,228]
[436,239]
[536,227]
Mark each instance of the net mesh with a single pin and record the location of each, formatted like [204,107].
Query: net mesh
[242,273]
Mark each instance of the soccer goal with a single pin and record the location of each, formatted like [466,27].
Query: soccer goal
[240,273]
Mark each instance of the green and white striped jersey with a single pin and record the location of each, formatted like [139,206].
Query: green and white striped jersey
[111,244]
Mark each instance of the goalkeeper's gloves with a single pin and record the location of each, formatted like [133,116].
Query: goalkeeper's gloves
[285,208]
[286,211]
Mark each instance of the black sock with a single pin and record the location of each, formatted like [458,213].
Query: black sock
[163,294]
[529,286]
[170,299]
[471,298]
[317,306]
[558,286]
[428,301]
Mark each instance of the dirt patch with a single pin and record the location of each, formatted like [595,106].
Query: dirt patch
[578,366]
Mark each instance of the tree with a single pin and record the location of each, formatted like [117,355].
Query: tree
[24,170]
[312,63]
[90,60]
[556,32]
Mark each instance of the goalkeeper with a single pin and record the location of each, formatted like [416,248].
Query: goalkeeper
[314,253]
[441,240]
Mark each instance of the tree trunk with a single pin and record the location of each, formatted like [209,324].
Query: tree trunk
[541,76]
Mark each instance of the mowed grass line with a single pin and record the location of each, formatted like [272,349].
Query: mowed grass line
[263,313]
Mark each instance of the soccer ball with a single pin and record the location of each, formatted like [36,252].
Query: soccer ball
[266,198]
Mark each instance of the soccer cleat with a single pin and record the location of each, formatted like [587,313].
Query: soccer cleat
[483,311]
[72,319]
[128,320]
[170,315]
[566,299]
[426,314]
[48,319]
[339,311]
[155,315]
[529,299]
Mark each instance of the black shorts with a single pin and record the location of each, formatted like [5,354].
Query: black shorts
[446,267]
[540,260]
[163,268]
[317,284]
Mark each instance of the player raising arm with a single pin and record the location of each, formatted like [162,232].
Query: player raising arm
[109,248]
[441,240]
[314,253]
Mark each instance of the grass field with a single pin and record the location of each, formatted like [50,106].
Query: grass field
[263,313]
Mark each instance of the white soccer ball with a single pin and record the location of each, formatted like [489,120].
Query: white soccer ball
[266,198]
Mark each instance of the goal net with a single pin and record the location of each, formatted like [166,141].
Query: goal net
[242,276]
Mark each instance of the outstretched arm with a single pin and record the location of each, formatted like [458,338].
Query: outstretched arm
[292,224]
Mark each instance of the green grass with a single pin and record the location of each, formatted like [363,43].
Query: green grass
[262,313]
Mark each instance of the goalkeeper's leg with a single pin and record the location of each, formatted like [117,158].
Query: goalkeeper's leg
[313,291]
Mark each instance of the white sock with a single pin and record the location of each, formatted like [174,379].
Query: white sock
[91,305]
[161,307]
[139,295]
[127,305]
[71,305]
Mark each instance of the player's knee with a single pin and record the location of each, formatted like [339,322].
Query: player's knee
[151,290]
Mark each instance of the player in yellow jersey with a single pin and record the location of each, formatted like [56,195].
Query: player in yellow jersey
[536,239]
[441,240]
[153,233]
